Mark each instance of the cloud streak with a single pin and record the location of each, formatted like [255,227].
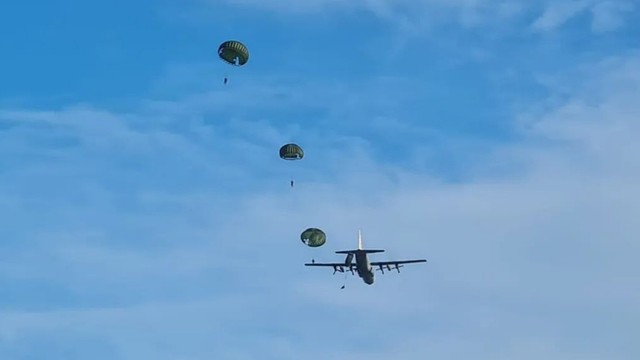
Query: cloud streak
[169,231]
[422,16]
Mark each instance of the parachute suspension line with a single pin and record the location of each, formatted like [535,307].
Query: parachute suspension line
[344,283]
[290,173]
[294,201]
[295,205]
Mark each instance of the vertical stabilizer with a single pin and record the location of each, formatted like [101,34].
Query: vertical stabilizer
[360,248]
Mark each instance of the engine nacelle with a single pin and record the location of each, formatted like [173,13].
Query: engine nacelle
[348,260]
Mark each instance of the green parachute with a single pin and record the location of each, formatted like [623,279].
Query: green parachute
[233,52]
[291,152]
[313,237]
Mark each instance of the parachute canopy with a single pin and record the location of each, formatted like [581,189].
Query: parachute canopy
[291,152]
[233,52]
[313,237]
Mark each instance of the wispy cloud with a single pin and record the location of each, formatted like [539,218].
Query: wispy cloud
[419,15]
[168,262]
[163,226]
[422,16]
[606,15]
[611,15]
[557,13]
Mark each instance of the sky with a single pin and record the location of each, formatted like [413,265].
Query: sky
[148,215]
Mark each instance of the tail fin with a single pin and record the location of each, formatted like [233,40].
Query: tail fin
[360,248]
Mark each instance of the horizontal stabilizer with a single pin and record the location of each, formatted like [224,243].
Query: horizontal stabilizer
[361,251]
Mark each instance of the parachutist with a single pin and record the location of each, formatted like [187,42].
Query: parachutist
[234,53]
[291,152]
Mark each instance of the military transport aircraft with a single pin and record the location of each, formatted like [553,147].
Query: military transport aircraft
[362,265]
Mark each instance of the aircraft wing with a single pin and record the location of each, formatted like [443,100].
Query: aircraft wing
[383,263]
[395,265]
[339,267]
[326,264]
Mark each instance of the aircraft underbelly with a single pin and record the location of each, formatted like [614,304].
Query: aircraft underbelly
[364,268]
[368,278]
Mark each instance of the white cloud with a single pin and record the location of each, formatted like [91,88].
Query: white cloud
[610,15]
[557,13]
[538,262]
[297,6]
[422,16]
[418,15]
[607,15]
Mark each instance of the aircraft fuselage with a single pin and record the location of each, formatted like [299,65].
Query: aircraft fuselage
[365,271]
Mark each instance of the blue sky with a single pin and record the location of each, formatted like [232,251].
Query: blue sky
[149,216]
